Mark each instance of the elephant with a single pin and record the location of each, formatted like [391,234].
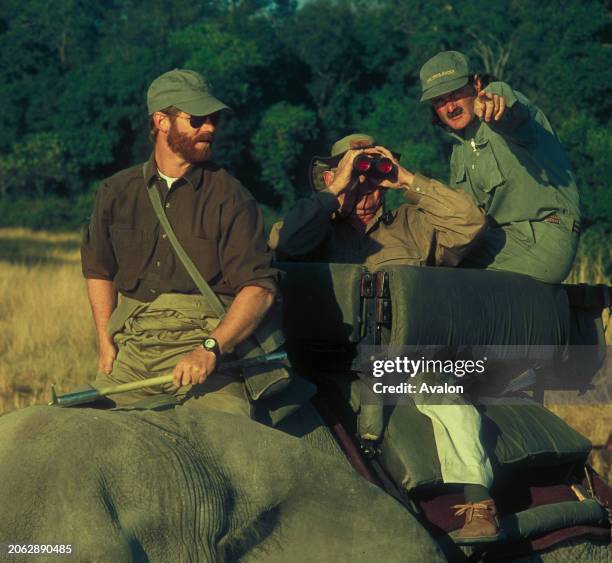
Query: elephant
[173,485]
[182,485]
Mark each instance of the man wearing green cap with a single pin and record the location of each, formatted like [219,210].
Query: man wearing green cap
[162,323]
[345,220]
[508,158]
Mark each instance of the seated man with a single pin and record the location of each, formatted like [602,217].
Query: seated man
[162,323]
[346,221]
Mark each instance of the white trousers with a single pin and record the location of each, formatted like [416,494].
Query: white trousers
[457,430]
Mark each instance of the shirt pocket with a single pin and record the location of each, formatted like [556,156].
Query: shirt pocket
[132,250]
[489,175]
[522,233]
[459,175]
[204,252]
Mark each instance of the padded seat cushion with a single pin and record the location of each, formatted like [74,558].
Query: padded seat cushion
[517,436]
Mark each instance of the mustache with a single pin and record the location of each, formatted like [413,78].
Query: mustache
[206,137]
[457,111]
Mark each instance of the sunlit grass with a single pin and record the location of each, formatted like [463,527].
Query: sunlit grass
[46,327]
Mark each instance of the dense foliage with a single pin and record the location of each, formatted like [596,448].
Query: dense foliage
[298,74]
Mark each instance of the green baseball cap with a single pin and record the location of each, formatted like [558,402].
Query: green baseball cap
[447,71]
[320,164]
[184,89]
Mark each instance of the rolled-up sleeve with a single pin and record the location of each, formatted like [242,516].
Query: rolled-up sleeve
[243,253]
[456,220]
[97,256]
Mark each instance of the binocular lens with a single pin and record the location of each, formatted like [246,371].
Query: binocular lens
[362,163]
[384,165]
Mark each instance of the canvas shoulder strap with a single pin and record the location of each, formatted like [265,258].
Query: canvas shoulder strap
[213,301]
[261,382]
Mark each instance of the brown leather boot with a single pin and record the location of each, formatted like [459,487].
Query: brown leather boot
[481,524]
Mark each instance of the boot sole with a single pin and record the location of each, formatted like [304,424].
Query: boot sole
[475,540]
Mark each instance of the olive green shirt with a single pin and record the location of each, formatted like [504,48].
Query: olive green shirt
[437,228]
[515,168]
[216,220]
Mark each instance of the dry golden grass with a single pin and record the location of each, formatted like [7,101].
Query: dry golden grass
[48,335]
[47,332]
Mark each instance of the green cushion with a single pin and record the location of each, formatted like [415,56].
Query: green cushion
[322,315]
[448,306]
[516,437]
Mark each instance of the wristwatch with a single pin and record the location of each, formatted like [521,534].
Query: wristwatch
[210,344]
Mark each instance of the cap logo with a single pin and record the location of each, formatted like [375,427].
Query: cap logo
[441,74]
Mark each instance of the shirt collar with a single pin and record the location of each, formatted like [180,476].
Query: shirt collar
[194,176]
[474,130]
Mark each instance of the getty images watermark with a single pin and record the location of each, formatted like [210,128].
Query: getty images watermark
[405,366]
[485,374]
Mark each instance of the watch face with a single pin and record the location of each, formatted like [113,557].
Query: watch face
[210,343]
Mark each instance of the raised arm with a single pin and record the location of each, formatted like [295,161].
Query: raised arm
[456,220]
[452,214]
[507,112]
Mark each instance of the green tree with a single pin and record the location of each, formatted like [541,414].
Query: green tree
[278,145]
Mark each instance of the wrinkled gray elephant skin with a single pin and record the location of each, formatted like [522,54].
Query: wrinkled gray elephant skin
[171,486]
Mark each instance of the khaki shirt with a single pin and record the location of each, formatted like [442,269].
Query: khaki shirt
[437,228]
[515,168]
[216,220]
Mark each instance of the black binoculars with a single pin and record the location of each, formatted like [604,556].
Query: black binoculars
[373,164]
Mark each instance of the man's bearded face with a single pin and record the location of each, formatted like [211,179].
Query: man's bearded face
[194,147]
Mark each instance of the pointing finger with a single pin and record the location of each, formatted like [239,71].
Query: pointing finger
[489,110]
[502,108]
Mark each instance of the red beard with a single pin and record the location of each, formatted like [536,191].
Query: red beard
[185,146]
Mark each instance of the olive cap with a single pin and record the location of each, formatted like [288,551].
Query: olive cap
[184,89]
[443,73]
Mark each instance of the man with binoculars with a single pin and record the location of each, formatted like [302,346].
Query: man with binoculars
[345,220]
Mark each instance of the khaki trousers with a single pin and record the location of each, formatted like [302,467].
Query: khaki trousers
[152,337]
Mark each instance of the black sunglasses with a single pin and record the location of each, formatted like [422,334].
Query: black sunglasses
[196,121]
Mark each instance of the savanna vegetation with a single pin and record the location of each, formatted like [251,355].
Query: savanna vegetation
[298,75]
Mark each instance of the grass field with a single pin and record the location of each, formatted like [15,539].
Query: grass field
[48,335]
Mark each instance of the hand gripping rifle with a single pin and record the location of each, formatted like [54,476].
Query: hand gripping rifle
[90,394]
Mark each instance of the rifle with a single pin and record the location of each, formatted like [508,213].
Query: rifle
[90,394]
